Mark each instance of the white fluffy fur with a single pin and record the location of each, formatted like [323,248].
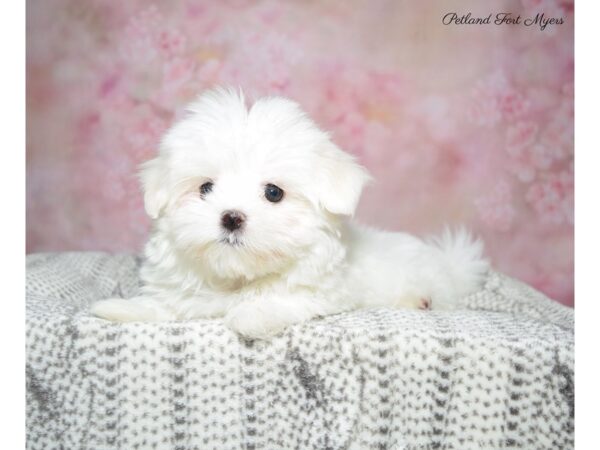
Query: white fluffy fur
[293,260]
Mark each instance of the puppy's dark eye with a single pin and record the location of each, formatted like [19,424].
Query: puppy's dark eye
[206,188]
[273,193]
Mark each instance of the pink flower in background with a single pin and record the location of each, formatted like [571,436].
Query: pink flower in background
[496,209]
[436,113]
[177,72]
[359,107]
[559,133]
[170,43]
[265,60]
[148,35]
[139,43]
[552,198]
[177,76]
[142,134]
[483,107]
[520,136]
[495,99]
[529,150]
[513,105]
[519,145]
[543,156]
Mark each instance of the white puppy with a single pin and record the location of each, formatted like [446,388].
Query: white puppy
[250,209]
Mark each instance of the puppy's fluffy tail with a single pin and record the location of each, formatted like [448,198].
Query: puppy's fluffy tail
[466,264]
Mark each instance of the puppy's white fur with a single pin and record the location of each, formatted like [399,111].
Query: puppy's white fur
[292,260]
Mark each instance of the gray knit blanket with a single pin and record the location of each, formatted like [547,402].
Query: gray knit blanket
[498,374]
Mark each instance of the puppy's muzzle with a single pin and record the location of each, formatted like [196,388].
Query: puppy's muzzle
[233,220]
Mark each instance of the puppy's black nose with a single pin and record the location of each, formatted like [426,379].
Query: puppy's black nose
[232,220]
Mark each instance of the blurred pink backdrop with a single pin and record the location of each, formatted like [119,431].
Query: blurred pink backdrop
[459,124]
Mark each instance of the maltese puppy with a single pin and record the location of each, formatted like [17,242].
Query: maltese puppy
[250,209]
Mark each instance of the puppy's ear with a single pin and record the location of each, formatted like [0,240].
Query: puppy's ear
[153,175]
[340,180]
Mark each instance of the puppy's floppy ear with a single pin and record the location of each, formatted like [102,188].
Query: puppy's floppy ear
[153,175]
[340,180]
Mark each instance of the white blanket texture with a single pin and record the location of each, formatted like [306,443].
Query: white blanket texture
[498,374]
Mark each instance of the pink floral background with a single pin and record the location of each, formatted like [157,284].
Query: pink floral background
[459,124]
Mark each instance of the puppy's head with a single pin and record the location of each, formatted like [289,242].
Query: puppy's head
[246,192]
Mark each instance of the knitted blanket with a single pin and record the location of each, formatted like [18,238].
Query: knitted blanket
[498,374]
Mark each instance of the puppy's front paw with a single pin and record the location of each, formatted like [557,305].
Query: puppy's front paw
[130,310]
[251,321]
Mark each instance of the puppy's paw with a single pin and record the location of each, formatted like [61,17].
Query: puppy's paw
[424,303]
[251,321]
[131,310]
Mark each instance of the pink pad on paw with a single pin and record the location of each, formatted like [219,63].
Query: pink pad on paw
[425,303]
